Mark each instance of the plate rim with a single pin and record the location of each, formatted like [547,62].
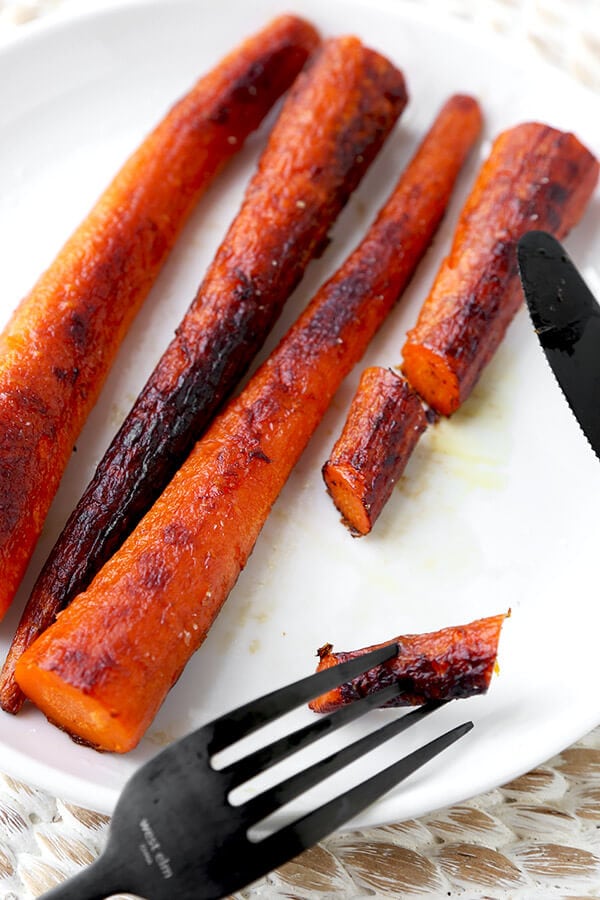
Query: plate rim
[63,20]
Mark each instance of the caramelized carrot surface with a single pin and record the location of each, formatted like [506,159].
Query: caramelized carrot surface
[384,423]
[102,670]
[441,665]
[535,177]
[60,342]
[332,125]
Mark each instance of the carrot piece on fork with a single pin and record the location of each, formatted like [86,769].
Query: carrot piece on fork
[448,664]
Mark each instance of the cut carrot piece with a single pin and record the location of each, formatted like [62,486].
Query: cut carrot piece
[384,423]
[448,664]
[102,670]
[535,177]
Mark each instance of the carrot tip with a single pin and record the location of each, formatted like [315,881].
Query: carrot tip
[340,481]
[77,713]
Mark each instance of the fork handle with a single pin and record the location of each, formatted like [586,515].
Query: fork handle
[96,882]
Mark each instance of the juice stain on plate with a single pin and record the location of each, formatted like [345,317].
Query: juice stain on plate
[161,737]
[474,444]
[236,618]
[465,457]
[458,464]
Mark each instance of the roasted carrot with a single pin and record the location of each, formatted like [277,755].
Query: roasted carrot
[534,177]
[383,425]
[441,665]
[60,342]
[333,122]
[331,127]
[102,670]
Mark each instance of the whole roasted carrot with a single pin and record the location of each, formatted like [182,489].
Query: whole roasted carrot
[102,670]
[448,664]
[333,122]
[60,342]
[383,425]
[535,177]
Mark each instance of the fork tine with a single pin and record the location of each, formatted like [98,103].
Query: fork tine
[280,794]
[273,753]
[314,826]
[247,718]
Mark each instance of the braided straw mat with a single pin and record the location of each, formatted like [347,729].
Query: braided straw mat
[535,838]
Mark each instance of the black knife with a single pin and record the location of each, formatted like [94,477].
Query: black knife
[566,317]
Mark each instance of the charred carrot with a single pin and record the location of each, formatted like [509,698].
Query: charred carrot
[440,665]
[59,344]
[332,125]
[384,423]
[535,177]
[102,670]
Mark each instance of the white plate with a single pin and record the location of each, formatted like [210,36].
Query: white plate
[497,507]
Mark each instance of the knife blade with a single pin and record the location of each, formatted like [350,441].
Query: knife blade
[566,318]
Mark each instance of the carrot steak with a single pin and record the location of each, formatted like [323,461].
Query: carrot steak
[332,125]
[441,665]
[384,423]
[102,670]
[60,342]
[535,177]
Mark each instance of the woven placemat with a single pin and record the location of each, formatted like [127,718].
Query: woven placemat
[535,838]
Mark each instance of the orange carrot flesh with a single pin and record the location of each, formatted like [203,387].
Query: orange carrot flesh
[102,670]
[535,177]
[333,122]
[60,342]
[384,423]
[449,664]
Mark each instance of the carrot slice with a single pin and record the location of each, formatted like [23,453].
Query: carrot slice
[448,664]
[535,177]
[102,670]
[60,342]
[384,423]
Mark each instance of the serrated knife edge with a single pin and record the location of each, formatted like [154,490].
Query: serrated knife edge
[566,318]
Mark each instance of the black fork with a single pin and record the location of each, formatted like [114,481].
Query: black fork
[175,832]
